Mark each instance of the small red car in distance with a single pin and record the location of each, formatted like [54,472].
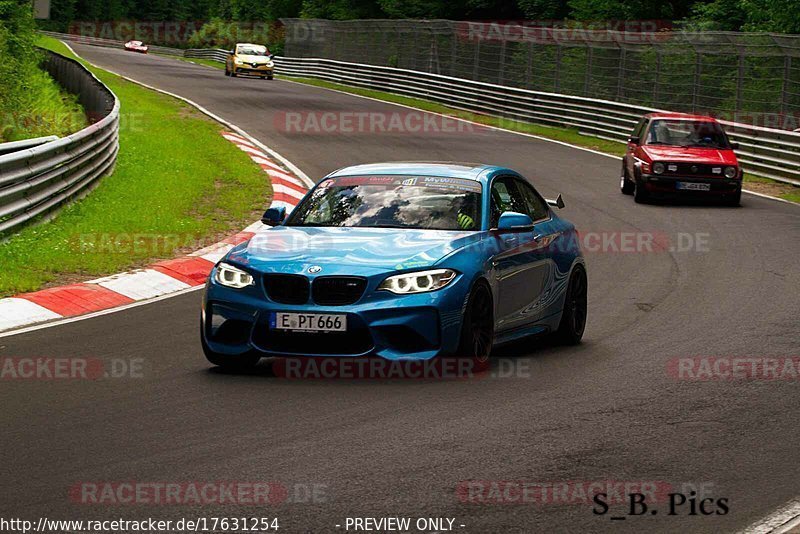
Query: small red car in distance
[678,154]
[136,46]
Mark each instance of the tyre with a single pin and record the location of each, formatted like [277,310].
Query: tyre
[477,330]
[227,72]
[262,77]
[241,362]
[625,185]
[733,200]
[573,318]
[233,74]
[270,77]
[640,195]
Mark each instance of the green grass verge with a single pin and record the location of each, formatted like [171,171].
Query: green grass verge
[178,185]
[781,190]
[771,187]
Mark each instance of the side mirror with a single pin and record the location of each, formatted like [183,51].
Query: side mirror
[557,203]
[634,140]
[734,145]
[511,221]
[270,56]
[274,216]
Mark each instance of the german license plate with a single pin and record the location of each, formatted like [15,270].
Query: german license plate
[308,322]
[694,186]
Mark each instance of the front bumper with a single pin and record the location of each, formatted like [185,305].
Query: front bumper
[249,69]
[394,327]
[668,185]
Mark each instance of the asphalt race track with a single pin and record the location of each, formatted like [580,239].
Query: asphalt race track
[606,410]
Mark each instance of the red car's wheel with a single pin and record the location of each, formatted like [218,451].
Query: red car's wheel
[625,185]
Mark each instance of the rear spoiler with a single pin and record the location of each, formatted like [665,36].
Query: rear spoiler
[557,203]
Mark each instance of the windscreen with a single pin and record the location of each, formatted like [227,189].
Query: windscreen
[251,50]
[424,202]
[687,134]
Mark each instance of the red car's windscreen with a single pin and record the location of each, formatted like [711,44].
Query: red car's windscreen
[687,133]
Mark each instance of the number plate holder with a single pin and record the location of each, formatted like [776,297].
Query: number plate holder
[308,322]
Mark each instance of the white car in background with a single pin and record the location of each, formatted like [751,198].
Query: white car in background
[136,46]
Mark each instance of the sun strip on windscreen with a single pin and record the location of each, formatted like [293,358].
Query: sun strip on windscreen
[437,182]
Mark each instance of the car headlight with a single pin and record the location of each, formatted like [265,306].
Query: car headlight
[269,64]
[230,276]
[238,61]
[731,172]
[419,282]
[658,168]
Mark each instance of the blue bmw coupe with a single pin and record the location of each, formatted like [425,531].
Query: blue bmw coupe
[400,261]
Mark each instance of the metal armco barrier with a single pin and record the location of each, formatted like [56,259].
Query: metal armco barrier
[763,151]
[213,54]
[39,180]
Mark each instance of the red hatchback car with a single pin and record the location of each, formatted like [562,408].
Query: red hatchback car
[678,154]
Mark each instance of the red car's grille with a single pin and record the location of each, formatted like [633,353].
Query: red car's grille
[695,169]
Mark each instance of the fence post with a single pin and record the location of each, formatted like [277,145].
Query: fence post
[476,62]
[696,81]
[657,78]
[739,84]
[559,51]
[384,49]
[787,72]
[620,73]
[453,52]
[587,79]
[501,74]
[528,67]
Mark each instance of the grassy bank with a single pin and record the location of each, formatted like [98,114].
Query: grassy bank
[32,104]
[43,108]
[178,185]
